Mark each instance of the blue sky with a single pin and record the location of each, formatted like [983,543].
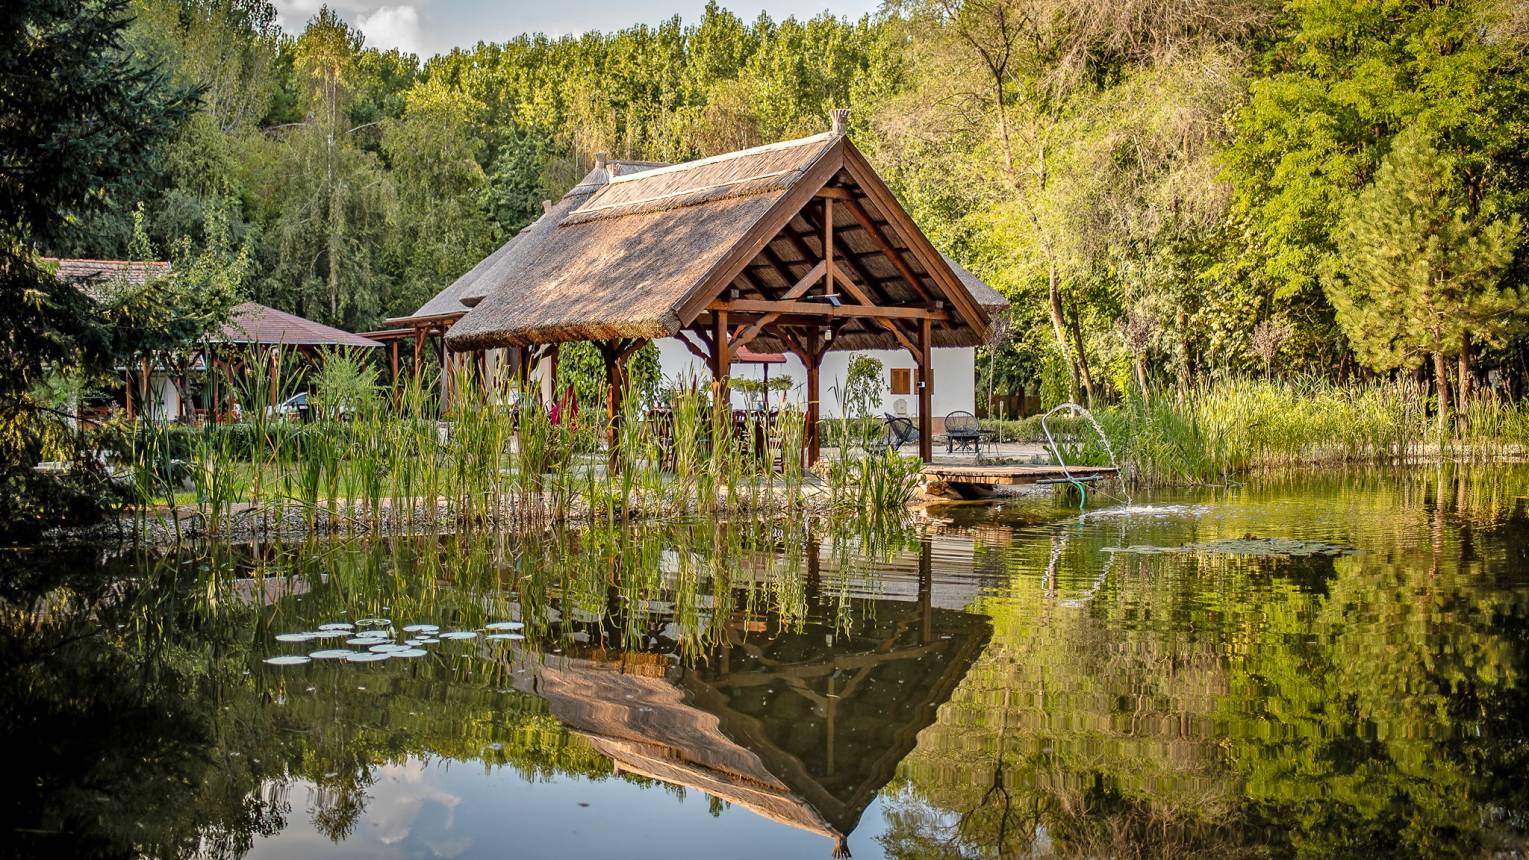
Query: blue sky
[428,27]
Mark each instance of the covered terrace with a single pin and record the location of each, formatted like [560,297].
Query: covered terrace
[796,246]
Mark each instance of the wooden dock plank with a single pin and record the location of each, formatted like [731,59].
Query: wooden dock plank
[1009,475]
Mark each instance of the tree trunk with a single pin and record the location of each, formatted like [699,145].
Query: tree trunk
[1077,337]
[1463,380]
[1441,383]
[1059,327]
[1181,325]
[1141,375]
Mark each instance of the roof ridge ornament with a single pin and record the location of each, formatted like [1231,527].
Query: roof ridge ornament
[839,121]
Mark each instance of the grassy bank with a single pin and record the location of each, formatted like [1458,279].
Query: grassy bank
[1230,428]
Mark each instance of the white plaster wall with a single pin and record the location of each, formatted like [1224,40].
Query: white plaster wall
[954,377]
[165,397]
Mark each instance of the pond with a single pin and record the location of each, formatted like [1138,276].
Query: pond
[1311,665]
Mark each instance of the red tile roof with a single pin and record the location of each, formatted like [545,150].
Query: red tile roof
[96,273]
[749,356]
[254,323]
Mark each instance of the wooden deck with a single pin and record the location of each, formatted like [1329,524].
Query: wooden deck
[970,482]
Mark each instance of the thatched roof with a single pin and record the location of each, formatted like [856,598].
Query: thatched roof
[637,250]
[985,295]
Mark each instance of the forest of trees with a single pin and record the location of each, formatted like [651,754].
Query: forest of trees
[1169,191]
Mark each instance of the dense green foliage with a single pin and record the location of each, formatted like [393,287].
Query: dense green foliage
[1171,195]
[1152,183]
[80,118]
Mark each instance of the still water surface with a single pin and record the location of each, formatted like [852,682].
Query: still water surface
[1321,665]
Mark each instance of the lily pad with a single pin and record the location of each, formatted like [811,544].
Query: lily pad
[373,622]
[293,637]
[328,634]
[409,652]
[365,657]
[287,660]
[421,628]
[459,634]
[504,625]
[337,625]
[387,648]
[368,640]
[505,637]
[332,654]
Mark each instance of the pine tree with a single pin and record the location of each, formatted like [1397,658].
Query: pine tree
[1421,264]
[79,117]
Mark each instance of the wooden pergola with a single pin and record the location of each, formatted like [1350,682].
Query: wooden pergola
[797,247]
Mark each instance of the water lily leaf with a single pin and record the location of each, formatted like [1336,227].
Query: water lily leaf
[287,660]
[365,657]
[332,654]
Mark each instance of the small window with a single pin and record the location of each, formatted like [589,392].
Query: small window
[902,380]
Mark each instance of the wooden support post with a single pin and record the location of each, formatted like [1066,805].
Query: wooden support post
[925,391]
[926,590]
[275,371]
[813,360]
[522,359]
[446,363]
[828,245]
[127,391]
[549,376]
[721,359]
[614,385]
[393,362]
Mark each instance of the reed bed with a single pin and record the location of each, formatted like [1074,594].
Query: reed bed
[389,462]
[1229,428]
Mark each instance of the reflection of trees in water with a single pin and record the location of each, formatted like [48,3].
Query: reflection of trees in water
[144,723]
[1370,705]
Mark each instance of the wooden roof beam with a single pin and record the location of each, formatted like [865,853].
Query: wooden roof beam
[880,196]
[865,300]
[859,267]
[826,310]
[887,248]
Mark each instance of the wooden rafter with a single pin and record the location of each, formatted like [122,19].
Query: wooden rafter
[875,192]
[860,270]
[887,248]
[865,299]
[695,349]
[827,311]
[746,334]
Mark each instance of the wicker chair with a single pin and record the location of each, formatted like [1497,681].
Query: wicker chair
[895,433]
[963,432]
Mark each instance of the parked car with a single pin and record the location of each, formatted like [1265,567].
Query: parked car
[297,407]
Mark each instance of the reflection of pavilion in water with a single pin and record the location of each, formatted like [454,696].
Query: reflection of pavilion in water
[802,727]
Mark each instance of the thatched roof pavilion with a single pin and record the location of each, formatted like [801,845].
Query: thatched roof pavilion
[795,246]
[803,725]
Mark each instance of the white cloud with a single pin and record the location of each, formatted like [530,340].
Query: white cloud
[392,27]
